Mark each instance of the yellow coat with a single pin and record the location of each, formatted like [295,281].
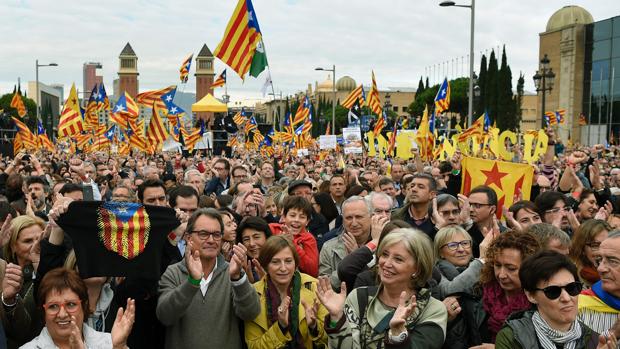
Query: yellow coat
[258,333]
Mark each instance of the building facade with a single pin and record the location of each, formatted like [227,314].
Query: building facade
[127,73]
[90,79]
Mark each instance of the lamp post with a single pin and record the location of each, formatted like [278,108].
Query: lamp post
[37,65]
[472,7]
[543,79]
[333,70]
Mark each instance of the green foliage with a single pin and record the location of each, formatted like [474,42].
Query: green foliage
[421,87]
[479,103]
[458,98]
[490,93]
[506,118]
[31,117]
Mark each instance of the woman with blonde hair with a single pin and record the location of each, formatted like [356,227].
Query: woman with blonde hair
[400,311]
[21,259]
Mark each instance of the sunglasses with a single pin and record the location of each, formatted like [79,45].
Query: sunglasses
[553,292]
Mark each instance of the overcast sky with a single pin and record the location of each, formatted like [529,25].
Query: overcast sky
[396,38]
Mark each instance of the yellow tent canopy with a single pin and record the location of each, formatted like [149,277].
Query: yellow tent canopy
[209,103]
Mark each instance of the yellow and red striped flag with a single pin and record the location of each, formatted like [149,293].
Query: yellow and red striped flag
[136,135]
[27,138]
[83,139]
[146,99]
[507,179]
[18,103]
[425,138]
[328,129]
[381,122]
[242,41]
[373,97]
[192,138]
[18,145]
[125,111]
[392,141]
[220,81]
[71,122]
[476,129]
[91,117]
[357,94]
[156,133]
[239,118]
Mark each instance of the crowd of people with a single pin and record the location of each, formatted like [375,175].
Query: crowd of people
[301,252]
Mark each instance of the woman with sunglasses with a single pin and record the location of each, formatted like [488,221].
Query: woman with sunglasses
[550,282]
[584,247]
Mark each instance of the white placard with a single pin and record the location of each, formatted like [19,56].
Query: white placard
[302,152]
[328,142]
[352,140]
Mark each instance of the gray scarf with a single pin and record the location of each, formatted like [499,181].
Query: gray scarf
[548,336]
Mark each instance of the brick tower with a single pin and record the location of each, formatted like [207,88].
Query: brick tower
[128,71]
[204,78]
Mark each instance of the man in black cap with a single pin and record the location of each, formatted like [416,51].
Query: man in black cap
[318,224]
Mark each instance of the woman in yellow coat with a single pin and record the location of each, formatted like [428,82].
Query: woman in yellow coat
[291,315]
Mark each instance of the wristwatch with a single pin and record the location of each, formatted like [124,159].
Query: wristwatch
[399,338]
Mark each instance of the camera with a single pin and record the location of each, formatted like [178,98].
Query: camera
[26,157]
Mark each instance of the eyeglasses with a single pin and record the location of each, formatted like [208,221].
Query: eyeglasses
[453,246]
[558,209]
[450,212]
[476,205]
[594,245]
[53,308]
[219,168]
[553,292]
[204,235]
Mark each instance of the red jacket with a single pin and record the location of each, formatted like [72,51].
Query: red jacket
[307,250]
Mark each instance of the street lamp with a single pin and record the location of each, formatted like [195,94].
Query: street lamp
[39,93]
[544,79]
[472,7]
[333,70]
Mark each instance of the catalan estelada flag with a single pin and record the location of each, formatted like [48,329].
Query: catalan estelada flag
[18,103]
[91,117]
[114,238]
[156,132]
[302,111]
[125,110]
[241,47]
[146,99]
[43,141]
[508,179]
[442,99]
[240,118]
[373,97]
[478,128]
[220,81]
[103,103]
[71,122]
[357,94]
[185,66]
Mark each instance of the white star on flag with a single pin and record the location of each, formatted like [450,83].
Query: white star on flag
[120,108]
[168,98]
[173,110]
[250,16]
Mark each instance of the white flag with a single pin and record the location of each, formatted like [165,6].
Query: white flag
[267,84]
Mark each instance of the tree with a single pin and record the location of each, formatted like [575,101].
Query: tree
[458,98]
[421,87]
[505,105]
[482,76]
[31,107]
[519,99]
[426,85]
[490,95]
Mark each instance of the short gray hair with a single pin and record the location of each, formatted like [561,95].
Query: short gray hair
[546,232]
[614,234]
[356,198]
[378,195]
[190,173]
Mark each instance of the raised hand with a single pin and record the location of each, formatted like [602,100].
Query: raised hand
[75,338]
[312,311]
[489,236]
[403,311]
[607,342]
[237,261]
[464,204]
[258,268]
[61,205]
[123,324]
[510,219]
[437,218]
[350,244]
[5,231]
[332,301]
[572,220]
[376,227]
[192,260]
[283,312]
[35,250]
[12,282]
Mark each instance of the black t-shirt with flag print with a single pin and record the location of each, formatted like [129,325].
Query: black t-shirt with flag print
[118,238]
